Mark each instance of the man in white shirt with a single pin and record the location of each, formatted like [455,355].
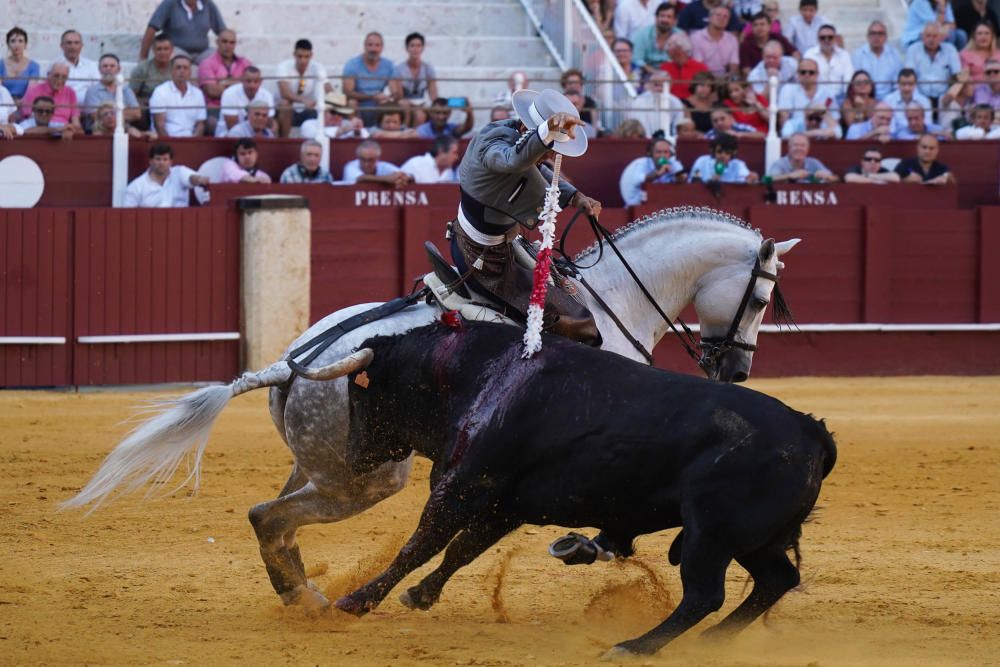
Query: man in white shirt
[162,185]
[835,66]
[237,97]
[178,107]
[297,81]
[773,63]
[367,168]
[83,72]
[801,29]
[658,165]
[630,15]
[795,98]
[655,108]
[438,166]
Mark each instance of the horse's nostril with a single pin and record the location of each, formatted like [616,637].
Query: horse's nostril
[740,377]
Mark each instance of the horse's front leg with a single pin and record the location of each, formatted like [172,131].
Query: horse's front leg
[443,517]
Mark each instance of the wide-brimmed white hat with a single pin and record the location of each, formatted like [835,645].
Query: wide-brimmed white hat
[534,109]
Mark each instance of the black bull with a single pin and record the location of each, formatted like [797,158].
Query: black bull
[579,437]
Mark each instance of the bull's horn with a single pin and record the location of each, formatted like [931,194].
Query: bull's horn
[349,364]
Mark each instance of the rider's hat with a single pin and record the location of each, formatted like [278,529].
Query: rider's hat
[535,108]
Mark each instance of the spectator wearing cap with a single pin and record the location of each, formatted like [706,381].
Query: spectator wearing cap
[257,123]
[920,13]
[773,63]
[308,169]
[42,121]
[238,97]
[218,71]
[367,77]
[438,166]
[17,69]
[658,165]
[242,167]
[438,124]
[981,126]
[935,63]
[163,184]
[649,44]
[906,92]
[802,29]
[925,168]
[414,82]
[104,91]
[715,47]
[297,80]
[817,122]
[697,15]
[681,67]
[187,24]
[989,92]
[795,98]
[917,125]
[54,87]
[760,35]
[631,16]
[880,127]
[870,170]
[83,72]
[881,60]
[798,167]
[341,121]
[368,168]
[835,66]
[721,164]
[177,106]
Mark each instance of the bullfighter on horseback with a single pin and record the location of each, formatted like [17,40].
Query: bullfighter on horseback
[503,185]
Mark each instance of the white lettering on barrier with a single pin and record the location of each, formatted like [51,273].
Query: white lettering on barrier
[806,198]
[390,198]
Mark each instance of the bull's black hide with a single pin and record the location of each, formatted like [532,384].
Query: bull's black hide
[580,437]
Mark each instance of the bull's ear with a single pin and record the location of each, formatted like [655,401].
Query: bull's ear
[766,250]
[785,246]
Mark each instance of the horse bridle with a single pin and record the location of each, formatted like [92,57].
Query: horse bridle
[714,347]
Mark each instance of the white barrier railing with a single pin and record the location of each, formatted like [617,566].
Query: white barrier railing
[119,147]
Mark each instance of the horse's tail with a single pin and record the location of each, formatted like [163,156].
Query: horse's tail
[152,452]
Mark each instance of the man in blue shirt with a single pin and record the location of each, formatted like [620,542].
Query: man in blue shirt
[721,165]
[935,63]
[366,79]
[438,125]
[881,61]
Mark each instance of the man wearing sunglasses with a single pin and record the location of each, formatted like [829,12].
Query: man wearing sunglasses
[879,59]
[870,170]
[989,92]
[835,66]
[795,98]
[42,121]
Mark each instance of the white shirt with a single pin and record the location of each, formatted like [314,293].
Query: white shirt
[287,73]
[895,100]
[146,193]
[234,102]
[7,107]
[352,170]
[310,129]
[656,112]
[634,177]
[834,73]
[972,132]
[630,15]
[803,36]
[424,170]
[183,111]
[786,74]
[82,76]
[794,99]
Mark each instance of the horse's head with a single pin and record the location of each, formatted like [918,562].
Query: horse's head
[730,304]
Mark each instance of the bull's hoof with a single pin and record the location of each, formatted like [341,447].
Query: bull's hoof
[415,599]
[356,606]
[619,654]
[308,597]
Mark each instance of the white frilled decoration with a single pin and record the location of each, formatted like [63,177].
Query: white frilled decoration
[543,265]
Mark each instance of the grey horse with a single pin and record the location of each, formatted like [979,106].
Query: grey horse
[684,256]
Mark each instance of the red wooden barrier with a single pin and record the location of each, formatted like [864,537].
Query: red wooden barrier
[36,267]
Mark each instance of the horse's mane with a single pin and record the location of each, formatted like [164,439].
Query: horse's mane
[697,214]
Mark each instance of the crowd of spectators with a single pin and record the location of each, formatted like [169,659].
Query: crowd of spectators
[701,71]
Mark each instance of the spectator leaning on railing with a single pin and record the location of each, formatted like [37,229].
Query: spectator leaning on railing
[83,72]
[982,126]
[870,170]
[367,168]
[917,125]
[798,167]
[925,168]
[177,106]
[816,123]
[257,123]
[438,166]
[390,126]
[880,127]
[17,69]
[308,168]
[43,122]
[721,164]
[658,165]
[438,124]
[242,167]
[341,120]
[163,185]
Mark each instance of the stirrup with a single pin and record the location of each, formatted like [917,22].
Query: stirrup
[577,549]
[445,272]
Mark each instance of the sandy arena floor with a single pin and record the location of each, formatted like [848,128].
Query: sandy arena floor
[902,566]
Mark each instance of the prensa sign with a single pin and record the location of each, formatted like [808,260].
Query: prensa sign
[806,198]
[390,198]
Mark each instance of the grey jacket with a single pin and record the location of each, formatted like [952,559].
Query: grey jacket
[501,184]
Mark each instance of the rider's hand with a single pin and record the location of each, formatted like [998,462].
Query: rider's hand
[586,204]
[563,122]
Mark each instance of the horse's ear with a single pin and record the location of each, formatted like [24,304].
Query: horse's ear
[785,246]
[766,250]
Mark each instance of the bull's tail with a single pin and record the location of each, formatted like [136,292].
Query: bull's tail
[826,439]
[152,452]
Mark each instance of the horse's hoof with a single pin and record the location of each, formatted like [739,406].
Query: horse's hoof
[412,599]
[617,654]
[356,607]
[307,597]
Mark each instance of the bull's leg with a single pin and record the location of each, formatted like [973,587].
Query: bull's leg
[276,521]
[444,515]
[465,548]
[703,575]
[773,576]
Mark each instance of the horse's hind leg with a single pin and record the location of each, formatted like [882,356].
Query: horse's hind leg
[773,576]
[295,482]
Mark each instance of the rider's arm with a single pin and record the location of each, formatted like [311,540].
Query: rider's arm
[501,155]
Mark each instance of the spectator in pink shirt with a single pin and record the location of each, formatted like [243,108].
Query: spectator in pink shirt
[715,47]
[219,71]
[242,168]
[55,87]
